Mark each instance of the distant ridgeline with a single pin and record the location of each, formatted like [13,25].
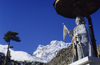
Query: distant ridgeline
[63,57]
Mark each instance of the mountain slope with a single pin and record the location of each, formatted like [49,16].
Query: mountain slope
[48,52]
[42,54]
[63,57]
[19,55]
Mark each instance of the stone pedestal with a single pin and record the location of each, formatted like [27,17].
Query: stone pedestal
[87,61]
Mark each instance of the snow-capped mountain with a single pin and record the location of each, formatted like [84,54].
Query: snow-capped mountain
[42,54]
[48,52]
[19,55]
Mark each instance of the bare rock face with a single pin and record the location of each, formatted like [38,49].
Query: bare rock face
[98,50]
[64,57]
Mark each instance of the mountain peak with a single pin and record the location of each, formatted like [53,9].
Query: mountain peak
[48,52]
[40,46]
[42,54]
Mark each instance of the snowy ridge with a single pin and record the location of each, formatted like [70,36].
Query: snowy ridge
[19,55]
[42,54]
[48,52]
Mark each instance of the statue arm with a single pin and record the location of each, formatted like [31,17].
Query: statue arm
[70,32]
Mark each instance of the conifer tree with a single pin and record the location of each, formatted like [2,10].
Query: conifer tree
[2,57]
[8,37]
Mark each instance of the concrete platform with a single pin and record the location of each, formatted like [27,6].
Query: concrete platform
[87,61]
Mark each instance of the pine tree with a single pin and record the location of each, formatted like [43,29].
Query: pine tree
[8,37]
[2,57]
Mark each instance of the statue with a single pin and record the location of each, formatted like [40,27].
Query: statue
[80,40]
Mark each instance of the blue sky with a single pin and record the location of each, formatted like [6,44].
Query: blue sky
[37,22]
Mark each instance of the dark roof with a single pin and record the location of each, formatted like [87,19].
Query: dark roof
[71,8]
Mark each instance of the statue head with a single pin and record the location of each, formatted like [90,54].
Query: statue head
[79,20]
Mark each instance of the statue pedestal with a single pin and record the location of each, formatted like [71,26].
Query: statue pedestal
[87,61]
